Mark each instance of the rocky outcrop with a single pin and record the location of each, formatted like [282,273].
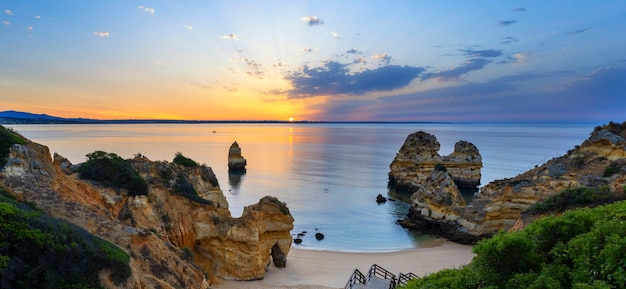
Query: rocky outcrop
[174,241]
[236,162]
[419,155]
[436,206]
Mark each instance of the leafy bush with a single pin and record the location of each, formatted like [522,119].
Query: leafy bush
[38,251]
[184,188]
[611,169]
[7,139]
[184,161]
[582,248]
[113,171]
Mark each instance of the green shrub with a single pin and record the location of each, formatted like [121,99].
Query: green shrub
[611,169]
[582,248]
[7,139]
[441,167]
[184,188]
[37,251]
[184,161]
[113,171]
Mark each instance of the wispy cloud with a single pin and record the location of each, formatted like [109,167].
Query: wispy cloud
[455,73]
[353,51]
[306,49]
[29,28]
[578,31]
[146,9]
[102,34]
[6,23]
[519,9]
[508,40]
[517,58]
[312,20]
[188,27]
[335,35]
[334,78]
[37,17]
[383,57]
[254,68]
[233,37]
[481,53]
[8,12]
[506,22]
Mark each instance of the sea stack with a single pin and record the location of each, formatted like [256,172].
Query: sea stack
[419,156]
[236,162]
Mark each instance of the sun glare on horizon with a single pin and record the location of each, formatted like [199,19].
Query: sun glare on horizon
[291,119]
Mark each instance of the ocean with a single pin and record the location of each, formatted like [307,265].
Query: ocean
[329,174]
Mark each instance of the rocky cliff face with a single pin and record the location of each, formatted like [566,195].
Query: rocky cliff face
[419,155]
[498,205]
[173,240]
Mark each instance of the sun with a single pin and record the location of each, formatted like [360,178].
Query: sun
[291,119]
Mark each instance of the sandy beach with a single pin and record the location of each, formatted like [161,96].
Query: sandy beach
[313,269]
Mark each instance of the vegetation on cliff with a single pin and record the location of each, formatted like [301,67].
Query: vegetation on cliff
[113,171]
[574,198]
[7,139]
[184,161]
[582,248]
[38,251]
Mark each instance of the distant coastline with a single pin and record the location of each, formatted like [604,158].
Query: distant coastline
[18,117]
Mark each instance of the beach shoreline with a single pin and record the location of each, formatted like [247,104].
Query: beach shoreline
[321,269]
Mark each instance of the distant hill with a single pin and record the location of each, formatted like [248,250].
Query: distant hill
[19,117]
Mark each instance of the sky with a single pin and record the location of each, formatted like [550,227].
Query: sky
[403,60]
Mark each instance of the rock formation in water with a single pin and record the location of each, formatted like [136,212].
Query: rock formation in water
[173,240]
[438,208]
[236,162]
[419,155]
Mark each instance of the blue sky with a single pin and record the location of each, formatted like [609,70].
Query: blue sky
[492,61]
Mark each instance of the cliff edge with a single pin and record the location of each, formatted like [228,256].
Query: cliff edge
[174,240]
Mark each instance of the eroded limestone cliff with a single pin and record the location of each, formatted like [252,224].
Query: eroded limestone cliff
[437,207]
[174,241]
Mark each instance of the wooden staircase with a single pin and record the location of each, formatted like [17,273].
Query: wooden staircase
[377,278]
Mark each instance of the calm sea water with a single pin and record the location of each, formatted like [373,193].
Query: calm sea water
[328,174]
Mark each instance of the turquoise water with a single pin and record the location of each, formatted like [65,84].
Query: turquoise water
[328,174]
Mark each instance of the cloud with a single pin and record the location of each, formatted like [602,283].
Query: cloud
[334,78]
[312,20]
[354,51]
[519,9]
[188,27]
[481,53]
[306,49]
[8,12]
[516,58]
[37,17]
[456,72]
[6,23]
[578,31]
[335,35]
[146,9]
[101,34]
[508,40]
[231,36]
[254,68]
[506,22]
[29,28]
[384,58]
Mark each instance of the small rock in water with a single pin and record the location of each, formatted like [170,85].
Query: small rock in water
[380,199]
[297,240]
[319,236]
